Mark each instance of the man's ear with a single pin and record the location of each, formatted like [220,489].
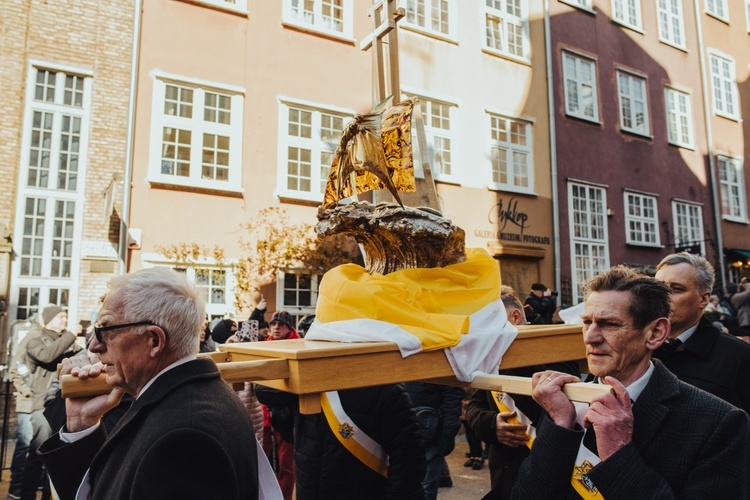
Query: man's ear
[657,333]
[705,297]
[157,340]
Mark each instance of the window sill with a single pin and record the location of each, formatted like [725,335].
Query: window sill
[432,34]
[733,118]
[579,7]
[724,20]
[655,246]
[509,57]
[691,147]
[194,187]
[681,48]
[738,220]
[312,30]
[228,8]
[637,29]
[594,121]
[511,189]
[635,133]
[299,198]
[444,179]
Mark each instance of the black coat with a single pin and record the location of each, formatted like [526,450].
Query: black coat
[188,436]
[687,444]
[713,361]
[481,414]
[325,469]
[544,307]
[446,400]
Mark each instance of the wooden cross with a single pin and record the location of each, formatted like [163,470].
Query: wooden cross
[385,25]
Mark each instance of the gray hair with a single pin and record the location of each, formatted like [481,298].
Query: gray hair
[704,275]
[166,298]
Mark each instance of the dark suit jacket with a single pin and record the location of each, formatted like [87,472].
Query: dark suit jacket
[686,444]
[187,436]
[713,361]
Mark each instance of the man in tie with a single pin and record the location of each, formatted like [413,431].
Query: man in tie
[186,435]
[655,436]
[697,352]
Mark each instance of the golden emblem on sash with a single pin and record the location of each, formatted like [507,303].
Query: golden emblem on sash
[346,430]
[580,472]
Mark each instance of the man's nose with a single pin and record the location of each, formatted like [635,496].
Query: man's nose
[95,345]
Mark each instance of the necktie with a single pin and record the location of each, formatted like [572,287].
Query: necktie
[589,440]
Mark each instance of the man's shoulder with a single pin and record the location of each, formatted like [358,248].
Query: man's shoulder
[693,401]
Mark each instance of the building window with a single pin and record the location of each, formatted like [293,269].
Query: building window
[732,180]
[718,8]
[724,85]
[297,293]
[50,194]
[506,27]
[747,14]
[671,26]
[588,234]
[215,283]
[579,77]
[309,137]
[679,118]
[433,16]
[633,103]
[511,154]
[688,227]
[196,136]
[438,117]
[627,12]
[212,285]
[641,220]
[327,16]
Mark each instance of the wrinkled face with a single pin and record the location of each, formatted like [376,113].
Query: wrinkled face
[687,301]
[124,352]
[279,330]
[613,346]
[59,322]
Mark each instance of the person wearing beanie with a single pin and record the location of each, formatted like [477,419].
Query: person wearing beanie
[282,326]
[223,330]
[40,352]
[541,302]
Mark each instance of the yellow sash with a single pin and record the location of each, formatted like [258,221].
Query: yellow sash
[354,439]
[585,460]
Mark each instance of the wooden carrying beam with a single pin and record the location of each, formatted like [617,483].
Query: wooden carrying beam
[307,368]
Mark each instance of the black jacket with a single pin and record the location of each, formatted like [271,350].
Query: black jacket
[481,414]
[713,361]
[187,436]
[446,401]
[544,307]
[324,467]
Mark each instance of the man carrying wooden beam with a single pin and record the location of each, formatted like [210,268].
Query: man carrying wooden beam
[651,436]
[186,435]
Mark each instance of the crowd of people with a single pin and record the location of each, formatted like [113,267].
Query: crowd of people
[673,425]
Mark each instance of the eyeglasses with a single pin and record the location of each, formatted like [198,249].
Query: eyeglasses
[98,330]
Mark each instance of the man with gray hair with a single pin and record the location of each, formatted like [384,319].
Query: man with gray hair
[697,352]
[186,435]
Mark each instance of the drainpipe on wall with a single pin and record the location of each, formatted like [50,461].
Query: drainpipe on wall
[122,250]
[552,150]
[710,146]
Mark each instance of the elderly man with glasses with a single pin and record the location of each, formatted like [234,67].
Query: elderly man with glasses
[186,435]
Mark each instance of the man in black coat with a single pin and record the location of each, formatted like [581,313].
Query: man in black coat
[542,303]
[652,436]
[697,352]
[186,435]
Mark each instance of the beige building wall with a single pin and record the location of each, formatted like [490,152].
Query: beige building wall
[89,39]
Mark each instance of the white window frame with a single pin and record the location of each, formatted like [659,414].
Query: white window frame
[227,309]
[626,16]
[685,215]
[318,23]
[671,23]
[504,19]
[747,14]
[512,149]
[427,29]
[679,114]
[296,310]
[438,133]
[586,5]
[197,127]
[581,85]
[316,146]
[46,282]
[595,259]
[733,205]
[718,9]
[628,93]
[642,218]
[724,89]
